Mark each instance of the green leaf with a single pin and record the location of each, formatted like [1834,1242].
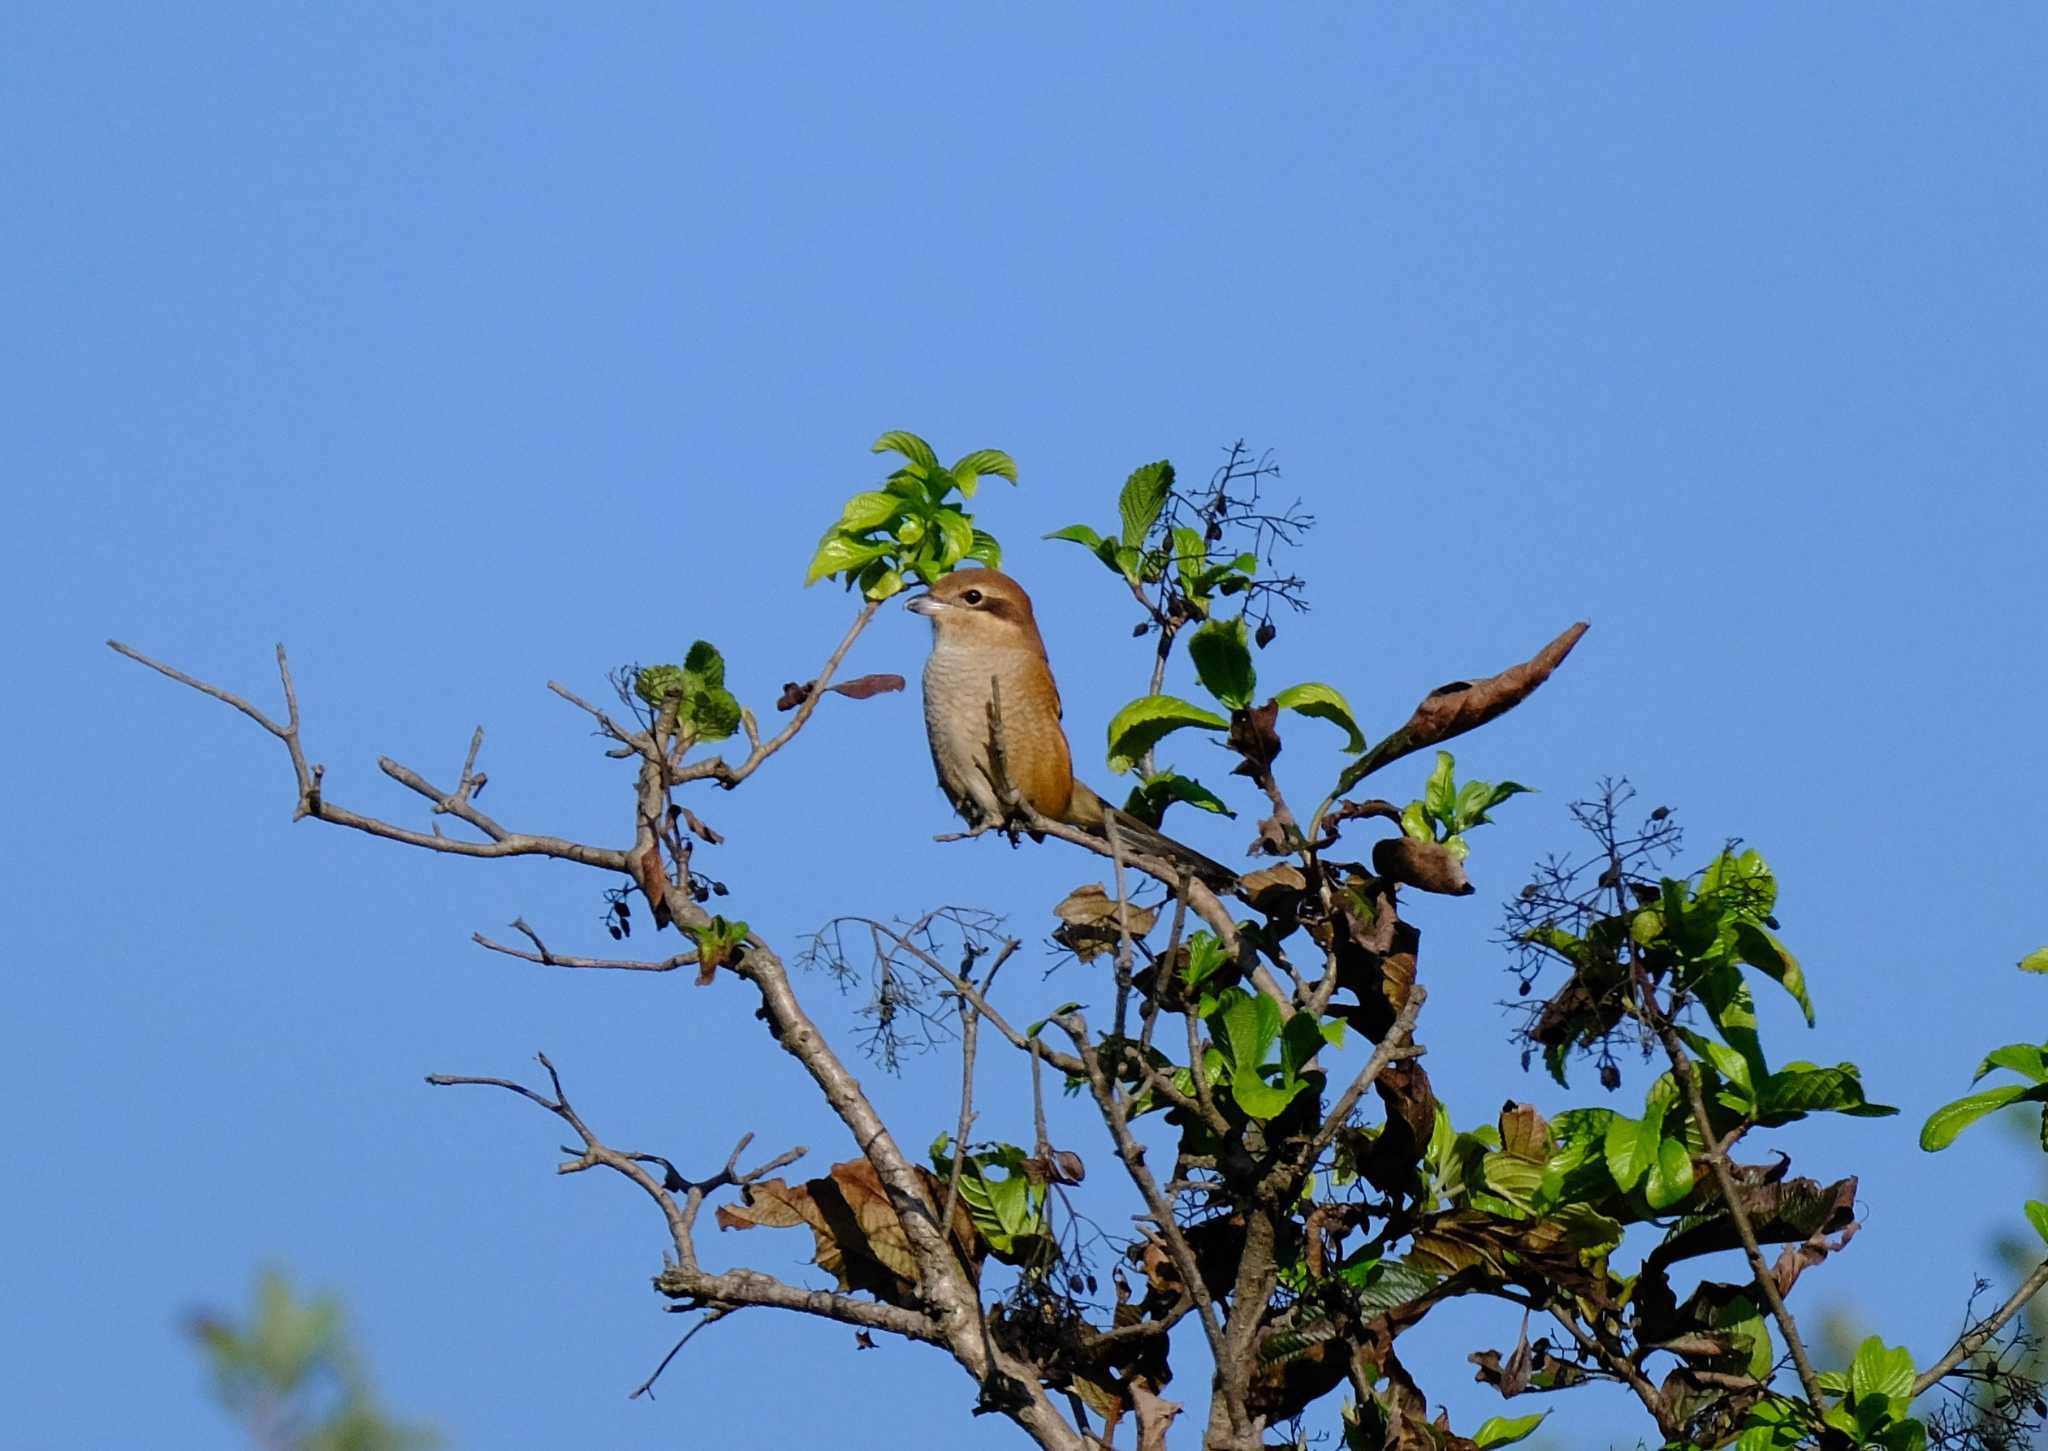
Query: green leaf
[714,715]
[1951,1119]
[1757,947]
[908,444]
[1801,1088]
[1147,720]
[1630,1147]
[1476,798]
[838,552]
[1415,822]
[986,550]
[1150,798]
[703,666]
[1223,660]
[987,461]
[869,511]
[2037,1215]
[1246,1026]
[1671,1176]
[1886,1373]
[2026,1059]
[1506,1430]
[1312,697]
[1078,534]
[1143,497]
[2035,961]
[1731,1065]
[958,532]
[1300,1041]
[1440,795]
[883,585]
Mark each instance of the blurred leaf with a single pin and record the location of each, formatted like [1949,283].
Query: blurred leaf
[1951,1119]
[2037,1215]
[2035,961]
[1506,1430]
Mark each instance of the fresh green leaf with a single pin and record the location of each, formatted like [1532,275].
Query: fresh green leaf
[958,532]
[838,553]
[1506,1430]
[986,550]
[1147,720]
[1630,1147]
[2035,961]
[2037,1215]
[1078,534]
[1764,952]
[1440,794]
[2026,1059]
[1886,1373]
[1150,798]
[1223,660]
[869,511]
[1671,1175]
[1415,822]
[1951,1119]
[987,461]
[704,667]
[1314,698]
[909,445]
[1801,1088]
[1143,497]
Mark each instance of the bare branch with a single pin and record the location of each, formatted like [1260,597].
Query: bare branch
[545,958]
[716,769]
[1975,1340]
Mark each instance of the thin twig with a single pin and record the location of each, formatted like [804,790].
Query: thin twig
[711,1317]
[1969,1344]
[1731,1195]
[545,958]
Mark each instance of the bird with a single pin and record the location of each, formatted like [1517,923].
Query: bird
[985,644]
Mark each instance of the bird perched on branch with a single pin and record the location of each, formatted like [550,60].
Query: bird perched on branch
[986,649]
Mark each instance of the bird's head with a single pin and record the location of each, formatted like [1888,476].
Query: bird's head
[979,608]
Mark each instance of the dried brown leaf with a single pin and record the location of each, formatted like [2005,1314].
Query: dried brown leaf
[1090,918]
[1426,864]
[866,687]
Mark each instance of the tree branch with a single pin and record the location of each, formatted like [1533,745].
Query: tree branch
[1975,1340]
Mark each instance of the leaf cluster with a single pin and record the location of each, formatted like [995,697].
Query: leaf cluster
[911,528]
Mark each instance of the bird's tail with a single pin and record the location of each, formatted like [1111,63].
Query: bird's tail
[1092,812]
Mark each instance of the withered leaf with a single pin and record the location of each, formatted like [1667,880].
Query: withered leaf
[793,695]
[1463,705]
[860,1241]
[1426,864]
[1092,922]
[699,830]
[865,687]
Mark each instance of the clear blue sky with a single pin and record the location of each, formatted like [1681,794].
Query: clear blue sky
[466,347]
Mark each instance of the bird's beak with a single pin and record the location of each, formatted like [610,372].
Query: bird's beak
[923,604]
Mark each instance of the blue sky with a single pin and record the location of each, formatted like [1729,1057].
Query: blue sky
[463,348]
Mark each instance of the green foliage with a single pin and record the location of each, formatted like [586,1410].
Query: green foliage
[1447,810]
[291,1376]
[1140,549]
[1506,1430]
[1245,1028]
[1154,793]
[1008,1209]
[911,527]
[2035,961]
[1149,719]
[1325,702]
[704,710]
[719,942]
[1222,654]
[1875,1394]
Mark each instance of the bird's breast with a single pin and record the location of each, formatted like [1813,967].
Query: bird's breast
[959,683]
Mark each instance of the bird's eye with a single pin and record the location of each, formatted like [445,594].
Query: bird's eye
[973,597]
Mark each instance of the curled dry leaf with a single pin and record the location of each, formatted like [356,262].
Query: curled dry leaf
[860,1240]
[699,830]
[1089,922]
[1425,864]
[864,687]
[1463,705]
[793,695]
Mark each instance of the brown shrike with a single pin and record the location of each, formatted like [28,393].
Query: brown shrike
[985,639]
